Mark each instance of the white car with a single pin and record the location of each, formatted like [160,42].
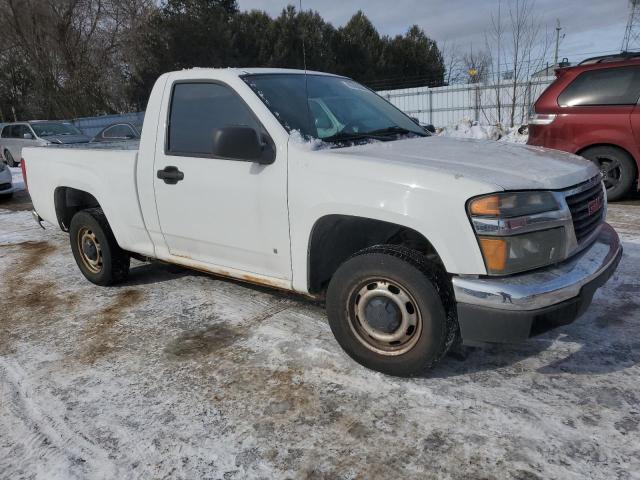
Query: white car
[414,241]
[6,182]
[15,136]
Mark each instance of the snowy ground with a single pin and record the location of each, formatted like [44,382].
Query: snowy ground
[183,375]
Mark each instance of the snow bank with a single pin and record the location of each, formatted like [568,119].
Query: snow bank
[467,128]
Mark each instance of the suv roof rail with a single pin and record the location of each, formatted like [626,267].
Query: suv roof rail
[618,57]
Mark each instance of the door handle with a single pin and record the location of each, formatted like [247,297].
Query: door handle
[171,175]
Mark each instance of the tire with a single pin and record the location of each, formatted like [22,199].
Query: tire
[410,280]
[9,159]
[96,252]
[5,197]
[618,169]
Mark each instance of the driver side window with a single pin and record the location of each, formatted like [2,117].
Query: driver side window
[197,111]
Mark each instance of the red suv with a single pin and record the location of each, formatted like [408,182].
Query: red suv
[592,110]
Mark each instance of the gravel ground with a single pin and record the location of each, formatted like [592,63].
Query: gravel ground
[182,375]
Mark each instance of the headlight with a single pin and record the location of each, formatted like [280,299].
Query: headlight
[519,231]
[513,204]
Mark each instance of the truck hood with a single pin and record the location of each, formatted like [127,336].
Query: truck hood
[506,165]
[67,139]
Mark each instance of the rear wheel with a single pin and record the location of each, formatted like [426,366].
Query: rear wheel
[98,255]
[391,310]
[617,167]
[9,159]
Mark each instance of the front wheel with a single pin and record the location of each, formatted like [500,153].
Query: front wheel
[617,167]
[98,255]
[391,310]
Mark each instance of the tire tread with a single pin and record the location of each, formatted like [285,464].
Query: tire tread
[438,278]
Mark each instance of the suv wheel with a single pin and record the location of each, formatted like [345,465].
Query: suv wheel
[392,310]
[98,255]
[617,168]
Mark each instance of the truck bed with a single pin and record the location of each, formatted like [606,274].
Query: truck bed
[108,171]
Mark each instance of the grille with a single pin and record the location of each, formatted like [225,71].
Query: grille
[5,186]
[587,210]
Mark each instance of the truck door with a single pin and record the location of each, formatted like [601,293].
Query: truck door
[225,212]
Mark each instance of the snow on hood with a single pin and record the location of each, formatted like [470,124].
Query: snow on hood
[506,165]
[67,139]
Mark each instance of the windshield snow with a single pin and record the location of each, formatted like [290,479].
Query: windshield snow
[331,109]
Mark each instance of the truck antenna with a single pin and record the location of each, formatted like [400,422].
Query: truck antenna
[306,79]
[304,53]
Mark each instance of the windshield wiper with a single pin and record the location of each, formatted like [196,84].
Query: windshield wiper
[352,136]
[395,130]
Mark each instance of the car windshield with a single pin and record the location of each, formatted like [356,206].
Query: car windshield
[332,109]
[48,129]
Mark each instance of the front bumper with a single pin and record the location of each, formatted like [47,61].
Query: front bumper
[511,309]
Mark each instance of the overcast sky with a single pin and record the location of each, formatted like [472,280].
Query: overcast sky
[591,27]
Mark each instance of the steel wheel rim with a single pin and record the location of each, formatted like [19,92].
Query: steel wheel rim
[388,343]
[610,171]
[89,250]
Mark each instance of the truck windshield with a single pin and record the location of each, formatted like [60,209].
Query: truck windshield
[48,129]
[332,109]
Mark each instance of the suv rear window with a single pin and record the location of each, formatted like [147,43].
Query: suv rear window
[612,86]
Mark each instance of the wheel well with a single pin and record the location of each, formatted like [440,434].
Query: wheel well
[335,238]
[610,145]
[69,201]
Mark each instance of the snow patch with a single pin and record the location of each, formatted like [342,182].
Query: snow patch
[307,143]
[467,128]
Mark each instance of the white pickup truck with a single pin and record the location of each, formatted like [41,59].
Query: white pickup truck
[314,184]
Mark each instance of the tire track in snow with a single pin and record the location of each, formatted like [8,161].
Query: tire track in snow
[45,438]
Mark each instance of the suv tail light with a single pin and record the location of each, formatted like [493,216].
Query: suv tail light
[542,118]
[23,167]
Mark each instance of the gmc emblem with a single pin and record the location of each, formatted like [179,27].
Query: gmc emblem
[595,205]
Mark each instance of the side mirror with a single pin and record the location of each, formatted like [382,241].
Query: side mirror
[416,120]
[242,143]
[27,136]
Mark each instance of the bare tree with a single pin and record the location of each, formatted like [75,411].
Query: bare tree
[476,66]
[72,51]
[518,48]
[529,45]
[453,63]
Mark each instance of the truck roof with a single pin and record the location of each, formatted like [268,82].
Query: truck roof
[261,71]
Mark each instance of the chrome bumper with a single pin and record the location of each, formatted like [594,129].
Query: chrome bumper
[545,287]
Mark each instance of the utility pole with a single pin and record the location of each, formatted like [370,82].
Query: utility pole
[632,32]
[555,55]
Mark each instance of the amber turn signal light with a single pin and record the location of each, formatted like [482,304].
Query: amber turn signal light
[489,205]
[494,251]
